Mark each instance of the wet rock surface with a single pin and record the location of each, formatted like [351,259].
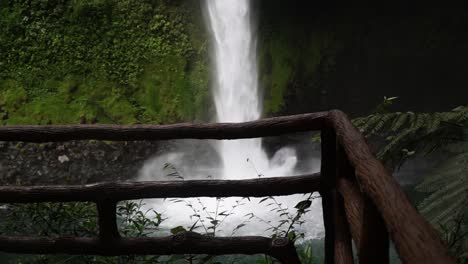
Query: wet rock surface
[76,162]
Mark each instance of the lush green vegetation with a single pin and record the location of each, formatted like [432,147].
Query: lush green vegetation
[442,195]
[68,61]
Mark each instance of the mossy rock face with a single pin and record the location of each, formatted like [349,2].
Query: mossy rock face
[72,61]
[93,61]
[293,54]
[173,92]
[12,94]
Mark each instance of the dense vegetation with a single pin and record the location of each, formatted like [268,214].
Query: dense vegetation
[442,194]
[68,61]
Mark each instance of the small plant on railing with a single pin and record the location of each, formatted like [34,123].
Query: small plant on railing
[288,225]
[210,220]
[207,221]
[137,223]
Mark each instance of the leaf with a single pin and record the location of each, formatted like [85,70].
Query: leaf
[239,226]
[178,229]
[194,226]
[292,235]
[302,205]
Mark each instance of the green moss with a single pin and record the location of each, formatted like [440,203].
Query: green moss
[44,110]
[279,55]
[171,93]
[118,110]
[67,61]
[288,55]
[12,94]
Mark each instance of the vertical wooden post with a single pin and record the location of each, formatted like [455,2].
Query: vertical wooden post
[353,202]
[369,230]
[374,244]
[108,229]
[328,174]
[343,245]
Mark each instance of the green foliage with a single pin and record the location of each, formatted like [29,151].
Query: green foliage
[170,93]
[277,57]
[52,48]
[50,219]
[288,55]
[288,223]
[446,206]
[407,133]
[14,94]
[455,235]
[134,222]
[446,186]
[77,219]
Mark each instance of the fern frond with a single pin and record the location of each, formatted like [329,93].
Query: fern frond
[422,132]
[450,170]
[399,122]
[434,123]
[444,196]
[448,185]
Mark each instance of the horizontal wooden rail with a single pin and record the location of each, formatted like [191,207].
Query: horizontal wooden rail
[415,239]
[182,243]
[371,187]
[119,191]
[261,128]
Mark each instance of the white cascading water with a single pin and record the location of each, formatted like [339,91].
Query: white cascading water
[236,89]
[236,100]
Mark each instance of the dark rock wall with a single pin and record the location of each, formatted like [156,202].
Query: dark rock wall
[350,58]
[76,162]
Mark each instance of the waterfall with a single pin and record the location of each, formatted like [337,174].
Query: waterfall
[236,90]
[236,97]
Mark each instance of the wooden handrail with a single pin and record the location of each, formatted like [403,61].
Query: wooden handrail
[415,239]
[261,128]
[120,191]
[181,243]
[356,190]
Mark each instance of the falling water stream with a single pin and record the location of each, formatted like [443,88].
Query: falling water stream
[236,96]
[236,90]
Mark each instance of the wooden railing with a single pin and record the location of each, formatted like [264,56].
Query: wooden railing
[361,201]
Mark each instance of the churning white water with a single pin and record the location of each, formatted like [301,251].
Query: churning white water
[236,96]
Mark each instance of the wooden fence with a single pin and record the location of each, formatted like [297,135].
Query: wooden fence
[361,201]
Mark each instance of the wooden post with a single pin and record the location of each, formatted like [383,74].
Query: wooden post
[415,239]
[374,245]
[368,229]
[108,229]
[353,202]
[284,250]
[343,246]
[328,173]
